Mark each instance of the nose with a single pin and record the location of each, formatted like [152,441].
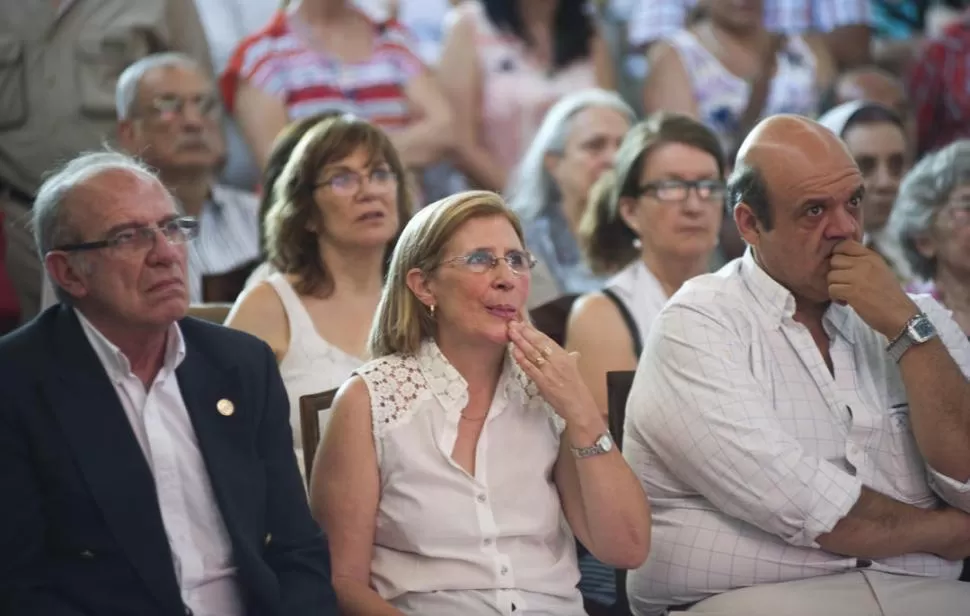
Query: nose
[881,178]
[693,205]
[504,277]
[843,224]
[163,252]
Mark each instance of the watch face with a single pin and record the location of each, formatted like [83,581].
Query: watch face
[922,330]
[605,442]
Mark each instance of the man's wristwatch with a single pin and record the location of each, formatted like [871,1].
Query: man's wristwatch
[604,444]
[917,330]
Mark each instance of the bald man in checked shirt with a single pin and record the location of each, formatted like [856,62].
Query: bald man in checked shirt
[801,425]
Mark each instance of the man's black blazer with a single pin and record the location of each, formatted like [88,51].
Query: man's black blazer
[80,528]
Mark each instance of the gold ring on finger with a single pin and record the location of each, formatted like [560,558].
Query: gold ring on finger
[539,361]
[547,352]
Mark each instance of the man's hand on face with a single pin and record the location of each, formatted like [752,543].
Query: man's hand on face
[861,278]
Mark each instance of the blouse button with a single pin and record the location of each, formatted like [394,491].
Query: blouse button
[481,498]
[488,541]
[504,570]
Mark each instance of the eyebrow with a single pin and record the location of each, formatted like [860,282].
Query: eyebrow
[137,225]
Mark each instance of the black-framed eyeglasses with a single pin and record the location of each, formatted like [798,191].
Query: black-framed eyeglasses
[347,183]
[481,261]
[175,231]
[172,104]
[676,191]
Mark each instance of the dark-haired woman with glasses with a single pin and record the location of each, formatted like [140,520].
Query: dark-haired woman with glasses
[657,217]
[337,208]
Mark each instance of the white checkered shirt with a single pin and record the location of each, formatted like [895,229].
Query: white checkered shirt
[749,448]
[653,19]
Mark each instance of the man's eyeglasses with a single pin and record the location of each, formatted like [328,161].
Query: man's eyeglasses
[676,191]
[347,183]
[136,239]
[481,261]
[170,105]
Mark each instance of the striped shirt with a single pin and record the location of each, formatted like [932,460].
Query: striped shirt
[654,19]
[228,236]
[281,61]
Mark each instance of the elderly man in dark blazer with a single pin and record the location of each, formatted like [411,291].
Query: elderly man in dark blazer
[146,460]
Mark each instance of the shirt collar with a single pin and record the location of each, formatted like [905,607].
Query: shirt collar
[451,389]
[779,304]
[114,360]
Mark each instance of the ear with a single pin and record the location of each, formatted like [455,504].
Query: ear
[128,136]
[551,162]
[420,285]
[628,214]
[749,228]
[67,272]
[925,245]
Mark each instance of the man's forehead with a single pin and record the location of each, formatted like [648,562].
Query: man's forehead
[119,196]
[790,150]
[175,78]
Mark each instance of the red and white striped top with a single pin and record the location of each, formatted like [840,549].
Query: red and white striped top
[280,60]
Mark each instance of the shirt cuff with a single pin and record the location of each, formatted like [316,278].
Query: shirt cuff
[949,489]
[837,500]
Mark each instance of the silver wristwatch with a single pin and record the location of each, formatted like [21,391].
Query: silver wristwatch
[917,330]
[604,444]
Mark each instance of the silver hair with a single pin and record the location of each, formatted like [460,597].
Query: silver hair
[532,187]
[923,192]
[127,89]
[52,224]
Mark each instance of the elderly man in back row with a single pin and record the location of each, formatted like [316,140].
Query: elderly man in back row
[801,425]
[146,460]
[169,115]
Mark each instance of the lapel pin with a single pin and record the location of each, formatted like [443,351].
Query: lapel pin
[225,407]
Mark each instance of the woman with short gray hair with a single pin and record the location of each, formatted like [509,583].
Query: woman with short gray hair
[931,221]
[574,145]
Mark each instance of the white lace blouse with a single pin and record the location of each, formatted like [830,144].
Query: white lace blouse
[447,542]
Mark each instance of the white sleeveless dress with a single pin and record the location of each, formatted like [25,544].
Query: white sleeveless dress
[311,364]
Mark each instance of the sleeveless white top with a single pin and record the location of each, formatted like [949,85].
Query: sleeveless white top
[447,542]
[641,293]
[311,364]
[722,96]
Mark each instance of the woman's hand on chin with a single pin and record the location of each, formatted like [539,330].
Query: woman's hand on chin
[554,371]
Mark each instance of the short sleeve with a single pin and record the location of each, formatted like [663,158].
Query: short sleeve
[654,19]
[253,61]
[403,46]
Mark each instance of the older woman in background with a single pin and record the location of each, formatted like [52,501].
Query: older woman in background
[931,221]
[457,462]
[338,206]
[655,221]
[504,63]
[575,144]
[876,137]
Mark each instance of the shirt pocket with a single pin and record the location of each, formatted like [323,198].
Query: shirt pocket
[897,459]
[13,84]
[100,61]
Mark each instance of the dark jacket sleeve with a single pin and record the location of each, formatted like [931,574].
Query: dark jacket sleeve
[24,590]
[297,552]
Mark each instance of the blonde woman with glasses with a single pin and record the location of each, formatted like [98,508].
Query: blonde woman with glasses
[338,206]
[459,464]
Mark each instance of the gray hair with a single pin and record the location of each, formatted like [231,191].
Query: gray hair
[127,89]
[51,222]
[923,192]
[532,188]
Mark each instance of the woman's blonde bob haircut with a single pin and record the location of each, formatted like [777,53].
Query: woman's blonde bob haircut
[402,322]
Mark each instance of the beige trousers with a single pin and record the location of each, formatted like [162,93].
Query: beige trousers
[23,263]
[857,593]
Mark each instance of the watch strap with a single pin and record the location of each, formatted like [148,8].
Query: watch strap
[594,450]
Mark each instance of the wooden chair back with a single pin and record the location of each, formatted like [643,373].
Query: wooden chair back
[214,313]
[310,407]
[618,385]
[551,318]
[226,287]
